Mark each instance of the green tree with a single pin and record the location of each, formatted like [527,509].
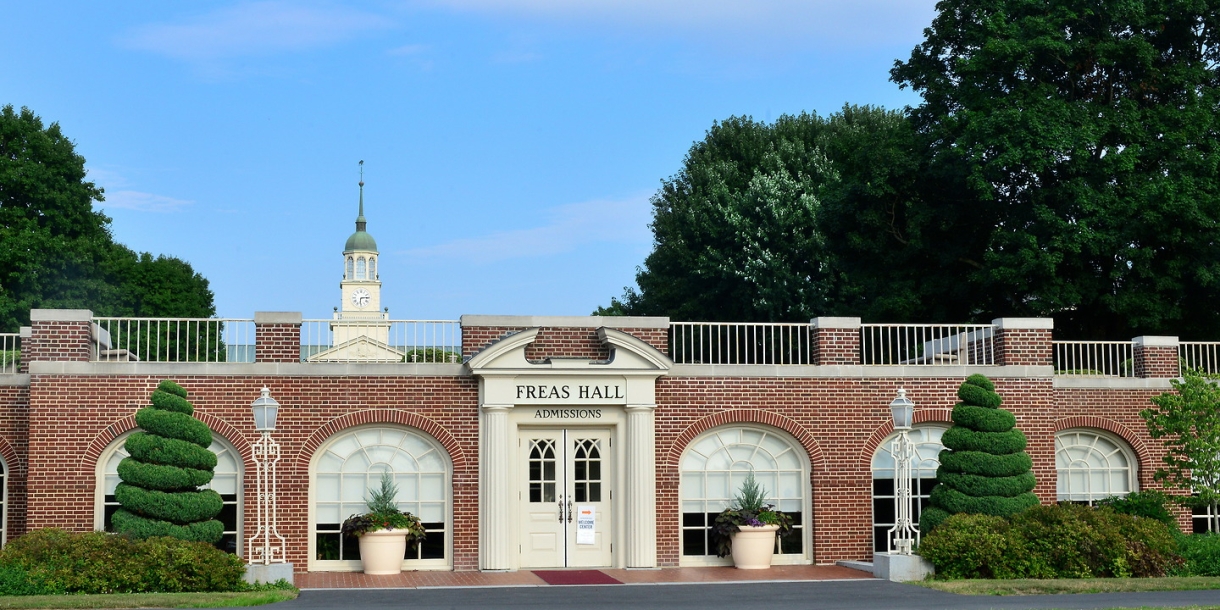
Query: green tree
[169,460]
[1089,135]
[984,468]
[1188,419]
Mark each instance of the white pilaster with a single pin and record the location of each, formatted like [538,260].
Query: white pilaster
[641,499]
[494,464]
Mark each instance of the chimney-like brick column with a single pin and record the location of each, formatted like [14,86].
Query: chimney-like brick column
[1156,356]
[25,332]
[277,336]
[57,335]
[1024,341]
[835,341]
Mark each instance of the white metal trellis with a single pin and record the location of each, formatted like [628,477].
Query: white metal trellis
[266,546]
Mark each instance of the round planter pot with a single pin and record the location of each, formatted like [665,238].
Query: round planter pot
[753,547]
[382,551]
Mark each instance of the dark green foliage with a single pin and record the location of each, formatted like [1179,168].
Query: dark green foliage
[16,580]
[167,463]
[983,419]
[95,562]
[1187,421]
[961,438]
[1201,553]
[171,424]
[983,468]
[164,478]
[58,252]
[1061,541]
[171,452]
[1152,504]
[976,462]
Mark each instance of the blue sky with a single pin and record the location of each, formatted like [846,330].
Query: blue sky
[510,146]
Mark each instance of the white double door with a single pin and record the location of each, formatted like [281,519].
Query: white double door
[566,498]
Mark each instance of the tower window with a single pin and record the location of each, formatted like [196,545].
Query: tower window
[360,268]
[372,268]
[351,268]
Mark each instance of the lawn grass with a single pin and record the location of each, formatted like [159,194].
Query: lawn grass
[1071,585]
[149,600]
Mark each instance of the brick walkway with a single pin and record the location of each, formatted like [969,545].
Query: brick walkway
[410,580]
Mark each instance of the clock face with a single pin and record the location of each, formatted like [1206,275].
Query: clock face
[360,298]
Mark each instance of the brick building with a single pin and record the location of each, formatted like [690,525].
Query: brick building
[499,428]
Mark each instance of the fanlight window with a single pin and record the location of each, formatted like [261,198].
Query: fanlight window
[924,462]
[1092,465]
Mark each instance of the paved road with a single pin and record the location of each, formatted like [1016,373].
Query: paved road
[838,595]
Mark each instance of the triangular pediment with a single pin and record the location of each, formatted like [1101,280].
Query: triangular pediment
[360,349]
[627,353]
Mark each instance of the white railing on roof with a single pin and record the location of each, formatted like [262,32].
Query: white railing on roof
[10,353]
[1199,355]
[739,343]
[373,340]
[173,340]
[1094,358]
[927,344]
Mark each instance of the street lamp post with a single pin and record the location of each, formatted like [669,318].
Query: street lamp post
[267,545]
[903,535]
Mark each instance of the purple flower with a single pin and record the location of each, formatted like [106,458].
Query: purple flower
[753,522]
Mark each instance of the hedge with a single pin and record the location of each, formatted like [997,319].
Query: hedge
[972,394]
[959,438]
[169,451]
[163,478]
[974,485]
[977,462]
[172,401]
[983,419]
[177,507]
[953,502]
[143,527]
[172,424]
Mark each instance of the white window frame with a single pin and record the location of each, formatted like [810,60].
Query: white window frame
[1123,448]
[115,446]
[923,467]
[341,565]
[806,501]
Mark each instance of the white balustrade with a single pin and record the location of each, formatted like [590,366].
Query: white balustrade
[1094,358]
[173,340]
[927,344]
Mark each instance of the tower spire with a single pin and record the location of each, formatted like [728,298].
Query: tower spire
[360,221]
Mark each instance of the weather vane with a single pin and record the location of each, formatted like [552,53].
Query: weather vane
[362,172]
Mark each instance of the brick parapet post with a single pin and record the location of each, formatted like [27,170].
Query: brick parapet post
[834,341]
[1156,356]
[277,336]
[57,335]
[25,333]
[1024,341]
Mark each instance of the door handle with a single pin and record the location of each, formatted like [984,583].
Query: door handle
[569,510]
[561,508]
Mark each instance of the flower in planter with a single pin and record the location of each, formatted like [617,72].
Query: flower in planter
[749,508]
[384,515]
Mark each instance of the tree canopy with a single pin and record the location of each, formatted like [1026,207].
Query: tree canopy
[1064,162]
[58,251]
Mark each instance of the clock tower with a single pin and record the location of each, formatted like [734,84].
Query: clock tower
[360,314]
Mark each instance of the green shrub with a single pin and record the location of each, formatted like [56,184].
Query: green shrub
[171,424]
[164,478]
[975,462]
[1201,554]
[15,580]
[1150,504]
[983,419]
[168,451]
[178,507]
[140,527]
[961,438]
[96,562]
[975,485]
[975,546]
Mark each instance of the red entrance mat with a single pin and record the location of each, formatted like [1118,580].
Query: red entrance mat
[576,577]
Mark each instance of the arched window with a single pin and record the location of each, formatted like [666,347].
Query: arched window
[3,502]
[351,463]
[372,267]
[351,269]
[924,462]
[1092,465]
[360,268]
[712,470]
[226,481]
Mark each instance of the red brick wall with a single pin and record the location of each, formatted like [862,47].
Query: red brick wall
[558,342]
[835,345]
[14,446]
[277,342]
[1024,347]
[75,417]
[1156,361]
[59,341]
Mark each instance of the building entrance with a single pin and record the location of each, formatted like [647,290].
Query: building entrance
[566,499]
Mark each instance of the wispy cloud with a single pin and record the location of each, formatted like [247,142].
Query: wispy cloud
[567,227]
[256,28]
[144,202]
[837,21]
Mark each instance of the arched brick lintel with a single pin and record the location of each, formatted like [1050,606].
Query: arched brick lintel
[16,465]
[117,428]
[383,416]
[1113,427]
[921,416]
[817,460]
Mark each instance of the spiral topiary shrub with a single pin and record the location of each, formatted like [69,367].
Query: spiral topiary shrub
[984,468]
[169,460]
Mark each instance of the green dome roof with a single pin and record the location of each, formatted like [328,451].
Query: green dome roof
[360,240]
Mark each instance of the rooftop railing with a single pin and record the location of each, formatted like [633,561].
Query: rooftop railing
[173,340]
[1199,356]
[10,353]
[1094,358]
[371,340]
[927,344]
[739,343]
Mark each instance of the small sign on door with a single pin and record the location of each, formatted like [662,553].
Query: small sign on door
[585,523]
